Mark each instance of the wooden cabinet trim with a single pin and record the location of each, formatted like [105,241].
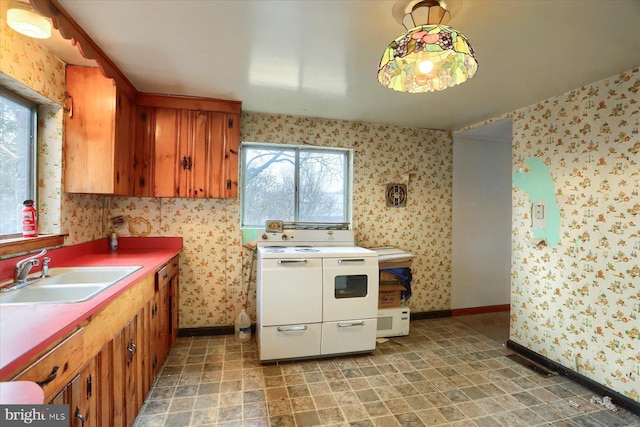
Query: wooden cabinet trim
[189,103]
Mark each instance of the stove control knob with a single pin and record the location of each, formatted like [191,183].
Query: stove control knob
[285,237]
[264,236]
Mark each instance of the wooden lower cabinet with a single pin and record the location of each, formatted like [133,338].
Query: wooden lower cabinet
[105,369]
[81,396]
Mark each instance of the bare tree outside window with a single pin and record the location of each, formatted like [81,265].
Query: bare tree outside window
[17,170]
[294,184]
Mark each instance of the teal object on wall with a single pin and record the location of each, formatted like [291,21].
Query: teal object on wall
[538,184]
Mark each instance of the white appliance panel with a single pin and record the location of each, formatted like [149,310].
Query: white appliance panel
[348,336]
[337,305]
[290,291]
[393,322]
[289,341]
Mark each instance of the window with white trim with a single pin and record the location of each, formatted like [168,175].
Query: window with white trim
[298,184]
[18,119]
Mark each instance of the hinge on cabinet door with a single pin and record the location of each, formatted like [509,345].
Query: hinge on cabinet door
[143,117]
[89,386]
[230,123]
[228,184]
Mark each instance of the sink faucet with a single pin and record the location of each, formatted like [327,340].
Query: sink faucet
[23,267]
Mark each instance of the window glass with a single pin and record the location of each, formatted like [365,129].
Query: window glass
[17,160]
[295,184]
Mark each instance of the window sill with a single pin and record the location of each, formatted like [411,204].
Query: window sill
[22,244]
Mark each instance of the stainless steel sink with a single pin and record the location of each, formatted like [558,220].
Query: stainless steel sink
[68,285]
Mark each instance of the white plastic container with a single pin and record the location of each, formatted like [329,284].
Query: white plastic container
[243,327]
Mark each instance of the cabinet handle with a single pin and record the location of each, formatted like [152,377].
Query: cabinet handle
[189,163]
[292,329]
[80,416]
[351,325]
[131,352]
[68,101]
[184,163]
[291,261]
[89,386]
[52,376]
[350,260]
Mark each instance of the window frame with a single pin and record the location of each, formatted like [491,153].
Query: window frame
[348,177]
[33,149]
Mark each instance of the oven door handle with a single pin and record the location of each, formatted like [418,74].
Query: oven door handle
[351,324]
[350,260]
[292,329]
[291,261]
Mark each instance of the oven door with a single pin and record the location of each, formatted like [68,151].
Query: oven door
[290,291]
[350,288]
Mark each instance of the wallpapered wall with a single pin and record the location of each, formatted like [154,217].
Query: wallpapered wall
[578,303]
[215,267]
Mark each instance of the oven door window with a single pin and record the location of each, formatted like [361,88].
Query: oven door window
[352,286]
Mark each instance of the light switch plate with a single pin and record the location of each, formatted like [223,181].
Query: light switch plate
[539,215]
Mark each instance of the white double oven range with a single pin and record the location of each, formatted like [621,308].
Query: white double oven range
[317,294]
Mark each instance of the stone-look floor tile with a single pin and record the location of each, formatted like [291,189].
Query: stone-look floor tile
[410,419]
[388,421]
[325,401]
[376,409]
[178,419]
[255,410]
[279,407]
[330,416]
[204,417]
[471,409]
[302,404]
[443,374]
[282,421]
[206,401]
[354,412]
[153,420]
[307,419]
[182,404]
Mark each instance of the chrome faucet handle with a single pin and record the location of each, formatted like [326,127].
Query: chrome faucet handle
[45,267]
[23,267]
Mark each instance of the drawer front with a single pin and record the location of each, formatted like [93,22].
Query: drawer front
[166,273]
[349,336]
[58,367]
[284,342]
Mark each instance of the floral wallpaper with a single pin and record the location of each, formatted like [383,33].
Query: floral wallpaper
[217,273]
[578,302]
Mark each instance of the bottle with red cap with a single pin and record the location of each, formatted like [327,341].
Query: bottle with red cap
[29,223]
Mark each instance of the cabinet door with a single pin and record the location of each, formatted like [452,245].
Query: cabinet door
[230,162]
[169,130]
[143,152]
[123,156]
[126,370]
[99,129]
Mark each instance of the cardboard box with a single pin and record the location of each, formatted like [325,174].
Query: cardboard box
[390,295]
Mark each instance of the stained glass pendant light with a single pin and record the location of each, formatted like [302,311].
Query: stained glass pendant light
[429,56]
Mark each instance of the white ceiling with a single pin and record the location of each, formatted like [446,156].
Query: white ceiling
[319,58]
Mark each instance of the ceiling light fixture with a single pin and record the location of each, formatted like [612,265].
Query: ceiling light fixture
[430,55]
[21,18]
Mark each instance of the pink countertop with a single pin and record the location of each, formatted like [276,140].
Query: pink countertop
[28,329]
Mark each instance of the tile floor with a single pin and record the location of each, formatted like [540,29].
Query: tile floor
[444,374]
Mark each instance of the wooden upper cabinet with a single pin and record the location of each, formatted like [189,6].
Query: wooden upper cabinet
[195,149]
[99,134]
